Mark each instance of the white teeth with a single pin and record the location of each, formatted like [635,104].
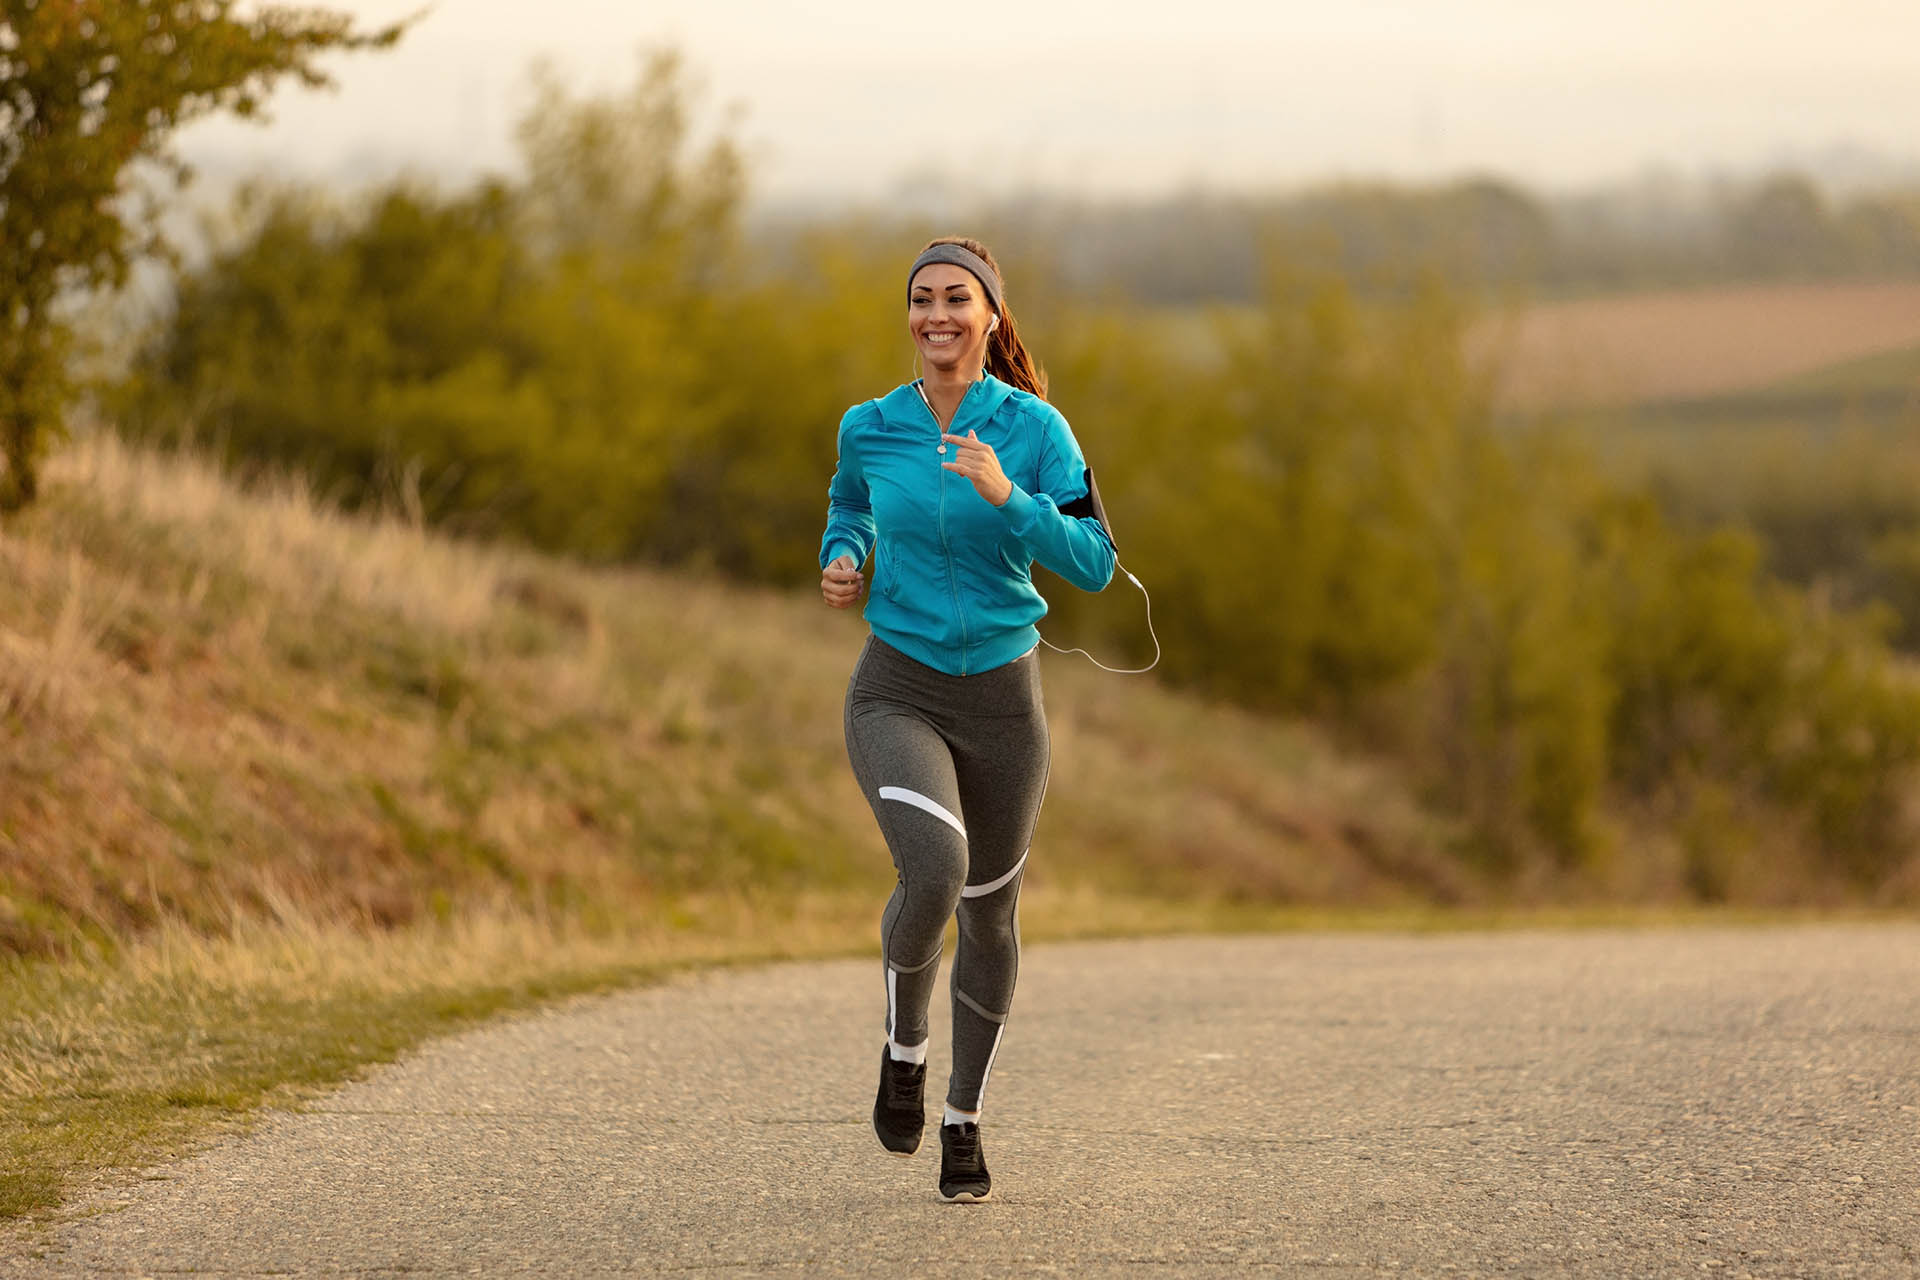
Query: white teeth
[941,337]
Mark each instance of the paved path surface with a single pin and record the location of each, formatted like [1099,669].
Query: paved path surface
[1723,1102]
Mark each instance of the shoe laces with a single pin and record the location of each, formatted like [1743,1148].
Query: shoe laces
[963,1144]
[904,1084]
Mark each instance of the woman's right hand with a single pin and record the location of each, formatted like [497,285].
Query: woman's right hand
[841,583]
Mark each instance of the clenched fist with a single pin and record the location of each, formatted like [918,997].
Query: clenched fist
[841,583]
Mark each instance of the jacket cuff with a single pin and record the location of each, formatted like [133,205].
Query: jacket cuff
[839,549]
[1019,510]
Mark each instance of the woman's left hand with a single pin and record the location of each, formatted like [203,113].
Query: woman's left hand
[977,461]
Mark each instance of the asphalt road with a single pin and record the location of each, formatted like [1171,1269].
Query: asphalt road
[1723,1102]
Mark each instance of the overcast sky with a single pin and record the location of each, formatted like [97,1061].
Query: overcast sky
[843,99]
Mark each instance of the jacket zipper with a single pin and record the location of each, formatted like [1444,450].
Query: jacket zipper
[946,550]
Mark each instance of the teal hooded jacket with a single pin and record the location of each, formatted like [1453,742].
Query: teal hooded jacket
[952,573]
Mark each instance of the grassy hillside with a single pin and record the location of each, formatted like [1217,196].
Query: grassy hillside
[282,792]
[216,703]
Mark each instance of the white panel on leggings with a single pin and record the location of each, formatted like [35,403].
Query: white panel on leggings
[980,1098]
[919,801]
[982,890]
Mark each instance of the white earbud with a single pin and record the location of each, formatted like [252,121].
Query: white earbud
[993,322]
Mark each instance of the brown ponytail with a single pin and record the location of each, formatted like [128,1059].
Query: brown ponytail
[1007,357]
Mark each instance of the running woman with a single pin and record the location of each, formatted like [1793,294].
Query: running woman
[957,483]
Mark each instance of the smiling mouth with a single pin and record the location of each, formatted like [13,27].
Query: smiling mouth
[941,339]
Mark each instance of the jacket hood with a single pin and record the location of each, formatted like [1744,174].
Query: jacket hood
[903,407]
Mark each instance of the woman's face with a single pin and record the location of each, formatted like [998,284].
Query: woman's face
[947,316]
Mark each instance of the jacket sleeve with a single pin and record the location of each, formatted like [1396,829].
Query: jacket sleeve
[1075,547]
[850,529]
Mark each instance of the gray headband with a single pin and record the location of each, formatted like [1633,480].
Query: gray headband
[955,255]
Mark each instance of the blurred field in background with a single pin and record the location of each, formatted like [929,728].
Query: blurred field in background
[1696,343]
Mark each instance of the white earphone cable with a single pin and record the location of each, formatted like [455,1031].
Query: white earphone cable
[1118,671]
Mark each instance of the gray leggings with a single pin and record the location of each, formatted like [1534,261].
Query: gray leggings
[954,767]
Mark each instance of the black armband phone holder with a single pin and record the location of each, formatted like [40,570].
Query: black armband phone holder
[1090,505]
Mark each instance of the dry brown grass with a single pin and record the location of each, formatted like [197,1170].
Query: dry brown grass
[1690,343]
[214,699]
[281,538]
[113,1060]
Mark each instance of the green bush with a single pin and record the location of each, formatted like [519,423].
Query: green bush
[1333,525]
[588,361]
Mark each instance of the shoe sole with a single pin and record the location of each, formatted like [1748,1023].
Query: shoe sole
[965,1197]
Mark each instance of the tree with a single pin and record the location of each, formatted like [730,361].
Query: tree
[90,90]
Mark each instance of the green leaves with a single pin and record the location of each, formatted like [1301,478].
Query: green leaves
[589,360]
[89,89]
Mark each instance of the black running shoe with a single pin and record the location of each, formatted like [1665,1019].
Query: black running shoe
[963,1170]
[898,1112]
